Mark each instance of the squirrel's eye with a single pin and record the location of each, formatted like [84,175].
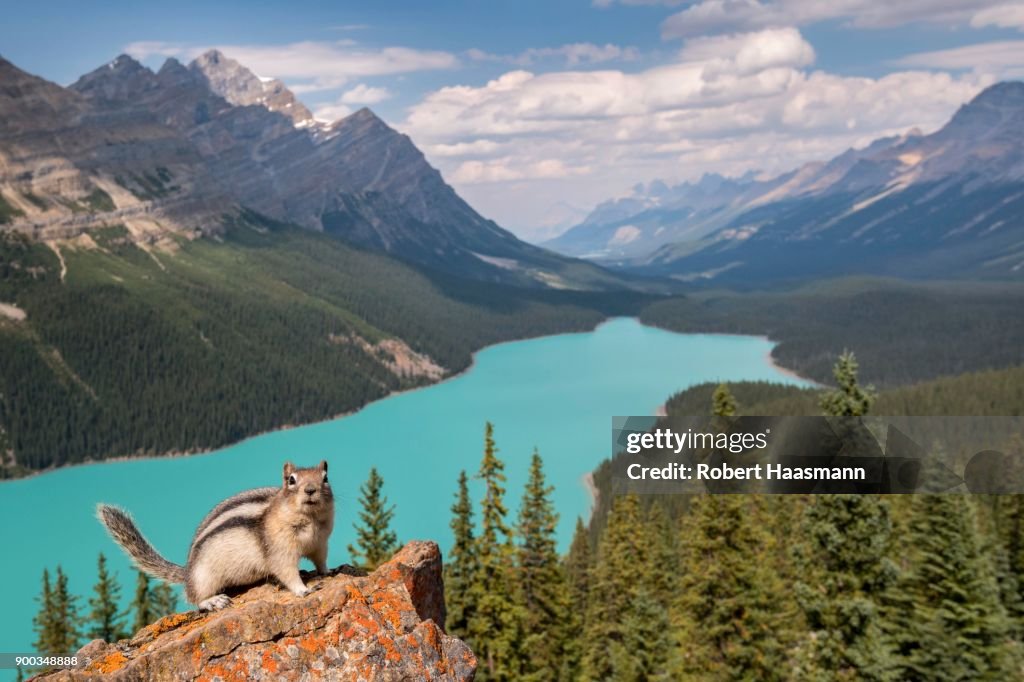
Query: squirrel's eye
[291,480]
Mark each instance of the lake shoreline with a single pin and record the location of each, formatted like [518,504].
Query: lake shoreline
[660,411]
[172,454]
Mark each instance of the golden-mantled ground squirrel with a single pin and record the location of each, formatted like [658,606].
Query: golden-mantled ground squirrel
[249,537]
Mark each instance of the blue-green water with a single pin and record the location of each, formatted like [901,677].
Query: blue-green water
[556,393]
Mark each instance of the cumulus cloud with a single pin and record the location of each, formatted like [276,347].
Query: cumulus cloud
[328,113]
[749,53]
[711,16]
[311,65]
[574,54]
[360,95]
[727,104]
[364,94]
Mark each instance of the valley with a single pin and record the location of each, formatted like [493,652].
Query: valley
[140,351]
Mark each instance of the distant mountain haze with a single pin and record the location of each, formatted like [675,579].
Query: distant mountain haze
[172,152]
[946,204]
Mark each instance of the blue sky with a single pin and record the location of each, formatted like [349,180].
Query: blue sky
[538,110]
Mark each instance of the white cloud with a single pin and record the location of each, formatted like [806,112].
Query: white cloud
[360,95]
[506,169]
[1005,59]
[712,16]
[481,147]
[1004,16]
[332,112]
[141,49]
[752,52]
[573,54]
[727,104]
[311,65]
[364,94]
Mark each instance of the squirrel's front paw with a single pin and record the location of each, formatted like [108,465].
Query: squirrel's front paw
[215,603]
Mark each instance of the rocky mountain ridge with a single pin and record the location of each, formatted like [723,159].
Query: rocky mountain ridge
[171,153]
[694,230]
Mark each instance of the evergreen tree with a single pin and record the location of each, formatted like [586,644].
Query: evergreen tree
[142,604]
[376,542]
[164,600]
[542,584]
[1008,521]
[460,569]
[664,567]
[622,599]
[957,628]
[57,623]
[849,399]
[577,572]
[68,619]
[845,576]
[45,620]
[578,566]
[495,627]
[106,621]
[722,402]
[641,655]
[730,610]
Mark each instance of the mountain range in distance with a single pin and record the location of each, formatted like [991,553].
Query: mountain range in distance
[180,150]
[947,204]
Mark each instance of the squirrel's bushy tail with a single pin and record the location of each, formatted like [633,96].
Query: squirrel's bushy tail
[126,533]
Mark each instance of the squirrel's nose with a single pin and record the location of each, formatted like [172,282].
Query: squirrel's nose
[310,490]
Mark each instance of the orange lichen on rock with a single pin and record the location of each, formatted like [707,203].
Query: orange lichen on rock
[386,625]
[109,663]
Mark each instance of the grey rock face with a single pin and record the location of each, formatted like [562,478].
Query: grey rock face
[188,144]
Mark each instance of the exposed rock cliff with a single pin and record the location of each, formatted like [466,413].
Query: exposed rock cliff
[178,152]
[384,626]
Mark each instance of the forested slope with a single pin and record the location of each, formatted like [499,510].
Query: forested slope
[152,351]
[901,332]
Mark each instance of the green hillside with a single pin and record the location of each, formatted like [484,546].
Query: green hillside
[901,332]
[151,351]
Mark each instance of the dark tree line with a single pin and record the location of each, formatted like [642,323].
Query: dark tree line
[63,623]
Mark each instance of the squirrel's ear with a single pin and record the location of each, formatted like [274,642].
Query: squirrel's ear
[289,469]
[323,465]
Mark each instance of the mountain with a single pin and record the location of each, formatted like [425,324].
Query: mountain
[947,204]
[174,151]
[657,214]
[241,87]
[150,301]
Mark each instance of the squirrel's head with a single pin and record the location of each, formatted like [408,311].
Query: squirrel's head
[307,488]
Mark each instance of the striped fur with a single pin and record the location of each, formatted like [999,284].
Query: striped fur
[248,504]
[125,533]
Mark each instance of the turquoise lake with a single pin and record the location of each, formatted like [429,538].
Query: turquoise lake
[556,393]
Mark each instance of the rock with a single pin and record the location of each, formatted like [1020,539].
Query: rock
[384,626]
